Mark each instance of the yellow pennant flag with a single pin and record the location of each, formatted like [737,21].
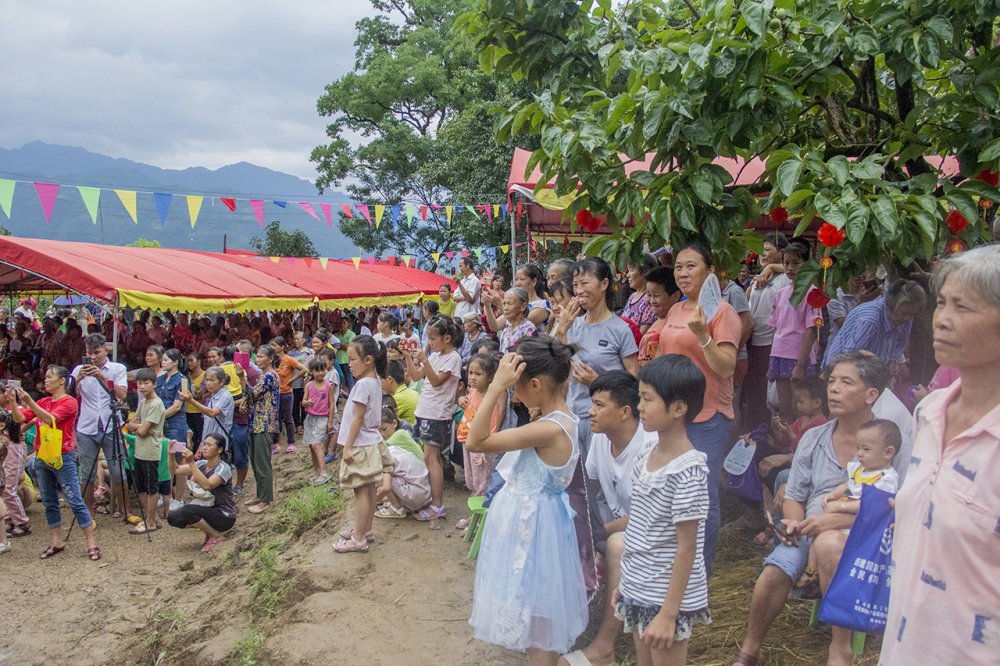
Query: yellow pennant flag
[379,212]
[322,262]
[357,262]
[128,200]
[496,210]
[436,256]
[274,259]
[194,207]
[505,248]
[448,210]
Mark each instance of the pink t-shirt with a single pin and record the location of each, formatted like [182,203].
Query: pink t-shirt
[790,324]
[320,399]
[438,402]
[677,338]
[367,391]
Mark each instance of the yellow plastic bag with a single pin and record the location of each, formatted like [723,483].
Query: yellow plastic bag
[50,450]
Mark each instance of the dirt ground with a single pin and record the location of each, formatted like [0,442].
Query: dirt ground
[405,602]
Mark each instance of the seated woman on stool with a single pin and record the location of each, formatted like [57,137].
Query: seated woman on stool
[214,512]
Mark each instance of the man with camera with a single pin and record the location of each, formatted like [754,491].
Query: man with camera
[101,384]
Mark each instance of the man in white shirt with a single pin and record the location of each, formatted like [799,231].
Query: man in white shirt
[469,288]
[94,423]
[618,443]
[765,288]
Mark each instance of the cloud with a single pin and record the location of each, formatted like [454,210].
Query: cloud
[176,84]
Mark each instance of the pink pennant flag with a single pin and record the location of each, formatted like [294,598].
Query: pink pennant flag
[327,208]
[228,203]
[258,209]
[435,207]
[47,196]
[290,260]
[423,213]
[465,253]
[308,207]
[489,212]
[364,211]
[371,260]
[450,254]
[346,210]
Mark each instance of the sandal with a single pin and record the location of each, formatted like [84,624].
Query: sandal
[133,520]
[140,529]
[389,511]
[260,507]
[19,530]
[116,514]
[348,534]
[94,553]
[51,550]
[744,659]
[430,512]
[350,546]
[102,509]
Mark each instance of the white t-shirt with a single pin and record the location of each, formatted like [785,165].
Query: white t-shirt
[615,474]
[858,477]
[95,403]
[438,402]
[463,307]
[367,391]
[384,339]
[889,407]
[761,304]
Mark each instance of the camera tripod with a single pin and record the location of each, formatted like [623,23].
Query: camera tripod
[117,457]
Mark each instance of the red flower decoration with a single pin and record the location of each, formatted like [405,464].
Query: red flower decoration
[818,322]
[956,246]
[956,222]
[991,178]
[831,236]
[779,215]
[588,220]
[817,298]
[751,257]
[826,262]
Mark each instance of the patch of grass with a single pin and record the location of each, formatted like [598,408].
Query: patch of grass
[307,506]
[266,591]
[248,646]
[161,625]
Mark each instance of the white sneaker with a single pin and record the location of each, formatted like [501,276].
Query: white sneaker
[159,502]
[176,504]
[5,547]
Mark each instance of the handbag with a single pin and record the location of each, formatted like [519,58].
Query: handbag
[199,495]
[742,477]
[50,449]
[858,596]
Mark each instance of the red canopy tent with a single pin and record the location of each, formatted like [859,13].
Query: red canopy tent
[421,281]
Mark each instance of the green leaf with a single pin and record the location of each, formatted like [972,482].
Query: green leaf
[857,221]
[991,152]
[756,15]
[699,54]
[980,189]
[828,211]
[652,120]
[684,211]
[940,27]
[963,203]
[986,94]
[806,278]
[840,169]
[884,210]
[787,176]
[701,183]
[930,52]
[797,197]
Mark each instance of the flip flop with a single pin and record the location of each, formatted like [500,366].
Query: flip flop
[94,553]
[51,550]
[348,534]
[258,508]
[140,529]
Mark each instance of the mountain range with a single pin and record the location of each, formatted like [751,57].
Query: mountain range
[69,167]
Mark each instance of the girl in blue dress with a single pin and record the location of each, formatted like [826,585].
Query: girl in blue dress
[529,592]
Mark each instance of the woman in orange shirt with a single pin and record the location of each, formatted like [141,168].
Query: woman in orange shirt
[288,370]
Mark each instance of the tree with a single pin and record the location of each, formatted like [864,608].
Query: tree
[280,243]
[4,231]
[143,242]
[421,104]
[851,103]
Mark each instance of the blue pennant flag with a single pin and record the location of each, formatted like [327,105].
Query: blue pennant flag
[503,211]
[283,204]
[394,212]
[162,202]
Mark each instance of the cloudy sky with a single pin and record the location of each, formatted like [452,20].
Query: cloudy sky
[174,83]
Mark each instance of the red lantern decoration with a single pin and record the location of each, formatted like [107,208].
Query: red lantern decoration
[991,178]
[779,215]
[826,262]
[956,222]
[831,236]
[588,220]
[817,298]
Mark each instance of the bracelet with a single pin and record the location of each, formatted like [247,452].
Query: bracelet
[707,342]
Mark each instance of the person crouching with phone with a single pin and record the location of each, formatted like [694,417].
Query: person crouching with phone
[147,426]
[212,508]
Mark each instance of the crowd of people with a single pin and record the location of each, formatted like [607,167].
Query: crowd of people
[591,414]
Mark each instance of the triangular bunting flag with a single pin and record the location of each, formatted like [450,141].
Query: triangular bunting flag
[505,248]
[275,259]
[326,208]
[394,212]
[229,203]
[479,253]
[409,214]
[406,260]
[309,261]
[495,208]
[258,209]
[436,256]
[322,262]
[280,204]
[47,193]
[371,260]
[162,201]
[127,197]
[379,212]
[450,254]
[91,199]
[364,211]
[503,211]
[423,213]
[194,207]
[308,208]
[465,253]
[345,209]
[290,260]
[472,209]
[357,262]
[6,195]
[489,212]
[448,211]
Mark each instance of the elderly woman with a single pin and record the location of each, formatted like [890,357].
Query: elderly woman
[881,326]
[514,323]
[945,588]
[57,410]
[637,309]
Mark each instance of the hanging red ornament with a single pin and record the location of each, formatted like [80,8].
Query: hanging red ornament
[830,236]
[991,178]
[955,246]
[985,203]
[588,220]
[751,257]
[818,322]
[565,243]
[817,298]
[779,215]
[956,222]
[826,262]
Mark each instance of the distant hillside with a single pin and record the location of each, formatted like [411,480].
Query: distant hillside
[69,167]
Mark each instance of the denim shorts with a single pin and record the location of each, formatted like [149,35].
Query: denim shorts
[434,432]
[792,560]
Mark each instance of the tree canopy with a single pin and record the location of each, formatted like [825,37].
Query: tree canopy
[280,243]
[143,242]
[420,104]
[851,103]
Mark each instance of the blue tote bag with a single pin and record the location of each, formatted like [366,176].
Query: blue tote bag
[858,596]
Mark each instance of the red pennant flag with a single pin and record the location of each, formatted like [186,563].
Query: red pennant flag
[327,208]
[465,253]
[228,203]
[517,220]
[346,210]
[309,261]
[423,213]
[391,260]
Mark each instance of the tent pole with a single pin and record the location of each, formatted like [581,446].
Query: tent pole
[513,242]
[114,331]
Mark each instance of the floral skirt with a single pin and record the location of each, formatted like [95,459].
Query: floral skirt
[637,618]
